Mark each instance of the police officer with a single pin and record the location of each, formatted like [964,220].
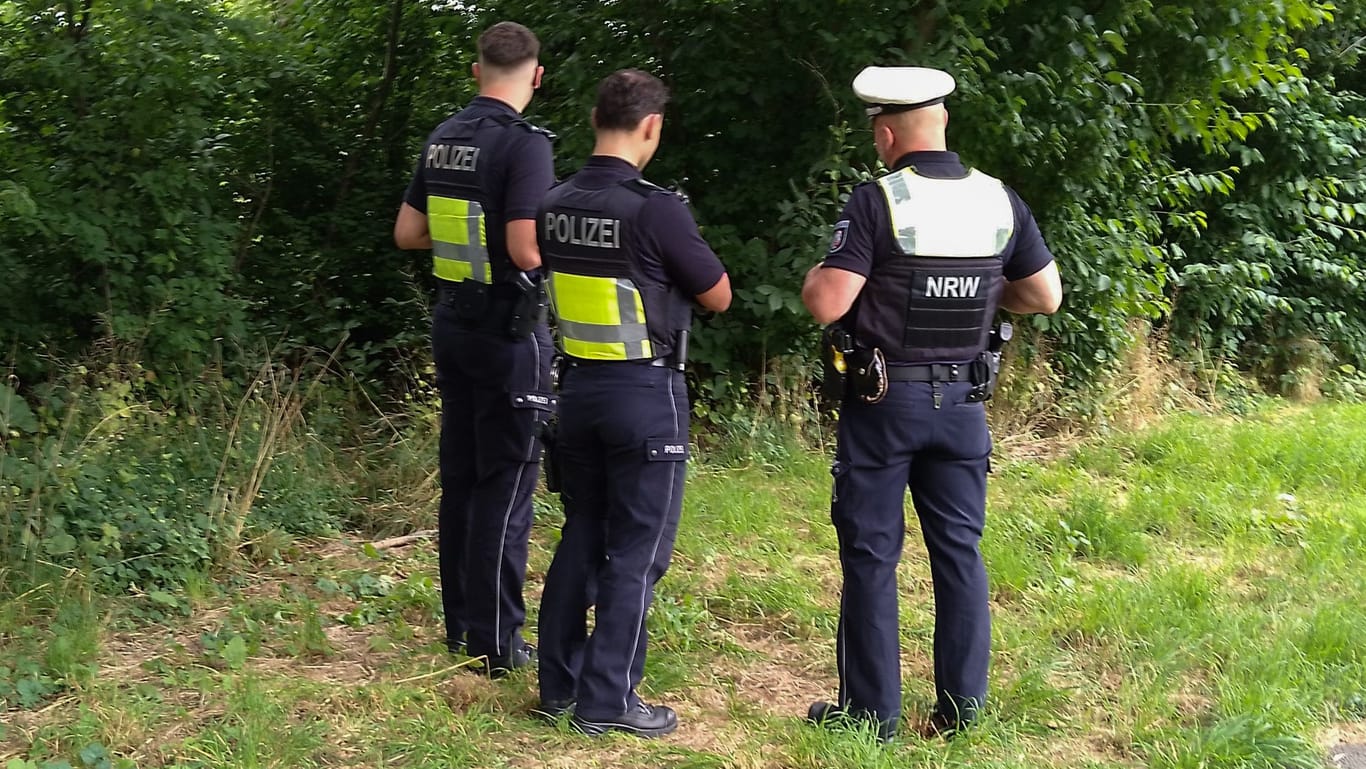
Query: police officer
[919,264]
[473,200]
[626,263]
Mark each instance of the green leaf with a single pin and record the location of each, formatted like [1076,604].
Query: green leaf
[15,415]
[61,544]
[1115,40]
[235,653]
[95,756]
[164,598]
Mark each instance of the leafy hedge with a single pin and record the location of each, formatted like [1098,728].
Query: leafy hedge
[188,180]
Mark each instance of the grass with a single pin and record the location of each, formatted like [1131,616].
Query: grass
[1184,596]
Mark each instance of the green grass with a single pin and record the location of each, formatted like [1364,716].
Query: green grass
[1187,597]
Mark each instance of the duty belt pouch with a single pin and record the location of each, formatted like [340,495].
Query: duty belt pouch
[469,299]
[867,374]
[529,306]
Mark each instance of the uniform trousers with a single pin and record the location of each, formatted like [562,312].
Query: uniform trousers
[942,454]
[622,453]
[490,457]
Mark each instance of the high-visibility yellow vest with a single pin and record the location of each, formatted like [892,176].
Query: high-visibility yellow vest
[948,218]
[600,318]
[459,240]
[606,307]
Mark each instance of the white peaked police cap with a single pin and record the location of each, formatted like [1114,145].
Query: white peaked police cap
[898,89]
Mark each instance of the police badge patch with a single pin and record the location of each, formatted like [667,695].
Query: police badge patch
[840,236]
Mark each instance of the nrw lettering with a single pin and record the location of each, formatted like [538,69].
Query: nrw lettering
[952,287]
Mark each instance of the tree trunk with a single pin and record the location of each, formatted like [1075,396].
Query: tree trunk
[372,117]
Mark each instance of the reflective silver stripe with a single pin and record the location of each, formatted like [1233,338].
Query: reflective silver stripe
[476,256]
[630,320]
[896,185]
[633,335]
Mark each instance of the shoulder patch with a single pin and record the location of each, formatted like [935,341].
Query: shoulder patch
[840,237]
[533,128]
[643,187]
[546,132]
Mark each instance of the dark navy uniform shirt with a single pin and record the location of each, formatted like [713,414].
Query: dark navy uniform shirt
[672,251]
[524,167]
[864,228]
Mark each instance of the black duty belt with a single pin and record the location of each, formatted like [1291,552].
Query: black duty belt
[665,362]
[933,372]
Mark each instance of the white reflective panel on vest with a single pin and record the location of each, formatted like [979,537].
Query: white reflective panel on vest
[968,217]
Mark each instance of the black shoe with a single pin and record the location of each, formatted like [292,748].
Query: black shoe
[456,645]
[498,667]
[551,710]
[940,725]
[830,715]
[642,721]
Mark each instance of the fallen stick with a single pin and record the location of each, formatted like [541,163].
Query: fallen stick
[406,539]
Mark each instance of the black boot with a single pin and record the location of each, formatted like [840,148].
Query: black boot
[832,716]
[551,710]
[520,656]
[643,721]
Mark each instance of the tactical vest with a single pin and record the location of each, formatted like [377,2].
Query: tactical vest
[606,307]
[458,160]
[933,299]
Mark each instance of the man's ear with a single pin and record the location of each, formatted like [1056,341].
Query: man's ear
[882,135]
[653,125]
[593,118]
[474,68]
[540,73]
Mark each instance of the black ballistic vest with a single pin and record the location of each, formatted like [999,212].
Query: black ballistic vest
[934,296]
[593,233]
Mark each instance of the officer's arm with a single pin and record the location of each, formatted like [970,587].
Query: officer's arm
[522,246]
[829,292]
[410,228]
[1040,292]
[716,298]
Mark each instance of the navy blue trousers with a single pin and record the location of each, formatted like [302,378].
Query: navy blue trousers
[622,450]
[490,456]
[942,455]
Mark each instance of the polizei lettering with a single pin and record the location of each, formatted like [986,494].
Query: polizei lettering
[952,287]
[583,230]
[452,157]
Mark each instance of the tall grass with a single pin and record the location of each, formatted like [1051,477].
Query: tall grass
[1174,591]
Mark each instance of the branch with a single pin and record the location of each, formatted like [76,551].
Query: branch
[406,539]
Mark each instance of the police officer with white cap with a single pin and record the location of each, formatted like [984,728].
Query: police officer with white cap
[920,262]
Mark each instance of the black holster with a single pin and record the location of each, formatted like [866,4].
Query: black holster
[530,304]
[550,439]
[986,370]
[836,343]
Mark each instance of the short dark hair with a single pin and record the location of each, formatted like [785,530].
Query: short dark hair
[626,96]
[508,44]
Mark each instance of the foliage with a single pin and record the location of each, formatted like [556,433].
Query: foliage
[142,497]
[238,182]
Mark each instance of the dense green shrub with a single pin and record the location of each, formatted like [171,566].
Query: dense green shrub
[189,179]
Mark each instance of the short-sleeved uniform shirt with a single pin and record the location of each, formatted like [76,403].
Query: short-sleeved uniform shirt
[672,251]
[519,173]
[864,229]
